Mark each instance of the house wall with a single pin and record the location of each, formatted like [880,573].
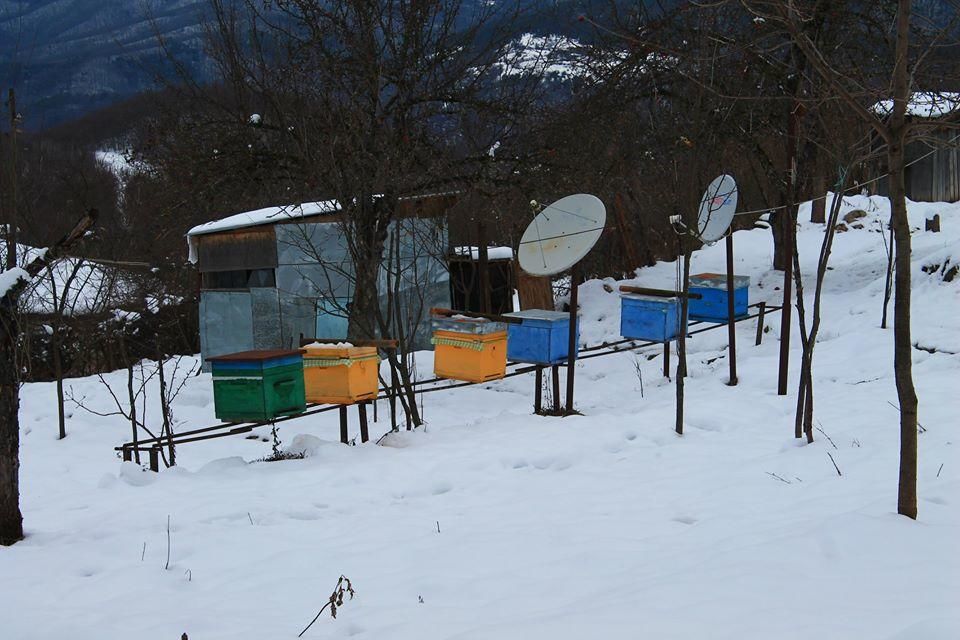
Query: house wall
[934,177]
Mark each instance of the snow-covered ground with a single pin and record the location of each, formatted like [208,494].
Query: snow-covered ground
[494,523]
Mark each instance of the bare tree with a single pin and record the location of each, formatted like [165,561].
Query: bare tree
[860,89]
[11,520]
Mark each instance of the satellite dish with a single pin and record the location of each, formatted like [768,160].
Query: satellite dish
[562,234]
[717,206]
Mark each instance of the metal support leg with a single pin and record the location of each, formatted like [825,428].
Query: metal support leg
[538,392]
[760,320]
[555,372]
[572,342]
[666,360]
[362,410]
[344,436]
[731,320]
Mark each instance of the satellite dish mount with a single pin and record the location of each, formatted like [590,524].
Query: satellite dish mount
[555,241]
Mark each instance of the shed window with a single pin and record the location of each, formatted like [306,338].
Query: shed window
[239,279]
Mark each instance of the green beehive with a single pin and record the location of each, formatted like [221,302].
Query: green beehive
[258,385]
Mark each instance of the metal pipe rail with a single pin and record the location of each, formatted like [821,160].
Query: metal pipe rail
[153,445]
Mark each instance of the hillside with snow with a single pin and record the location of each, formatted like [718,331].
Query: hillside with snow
[491,522]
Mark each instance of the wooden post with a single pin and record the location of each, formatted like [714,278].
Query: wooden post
[666,360]
[572,343]
[155,459]
[538,392]
[344,435]
[760,320]
[127,453]
[731,320]
[362,410]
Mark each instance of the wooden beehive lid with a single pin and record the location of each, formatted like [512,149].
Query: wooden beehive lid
[256,355]
[338,350]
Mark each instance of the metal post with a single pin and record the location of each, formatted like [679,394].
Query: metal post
[538,392]
[362,410]
[785,320]
[760,320]
[731,320]
[666,360]
[555,375]
[344,436]
[572,344]
[393,397]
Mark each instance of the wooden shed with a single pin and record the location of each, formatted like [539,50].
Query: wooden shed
[270,276]
[933,161]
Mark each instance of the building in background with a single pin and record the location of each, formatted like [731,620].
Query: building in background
[273,276]
[933,160]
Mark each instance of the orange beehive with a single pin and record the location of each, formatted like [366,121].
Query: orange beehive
[336,374]
[468,356]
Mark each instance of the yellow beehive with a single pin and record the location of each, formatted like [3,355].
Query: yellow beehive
[470,357]
[336,374]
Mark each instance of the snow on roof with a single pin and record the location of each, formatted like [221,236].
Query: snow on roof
[924,104]
[269,215]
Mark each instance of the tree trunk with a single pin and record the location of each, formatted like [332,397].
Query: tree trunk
[818,211]
[778,229]
[369,241]
[902,347]
[11,520]
[167,429]
[58,374]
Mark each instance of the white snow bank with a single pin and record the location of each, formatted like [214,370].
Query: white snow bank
[491,522]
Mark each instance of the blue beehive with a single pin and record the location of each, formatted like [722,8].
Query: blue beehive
[649,317]
[542,338]
[712,306]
